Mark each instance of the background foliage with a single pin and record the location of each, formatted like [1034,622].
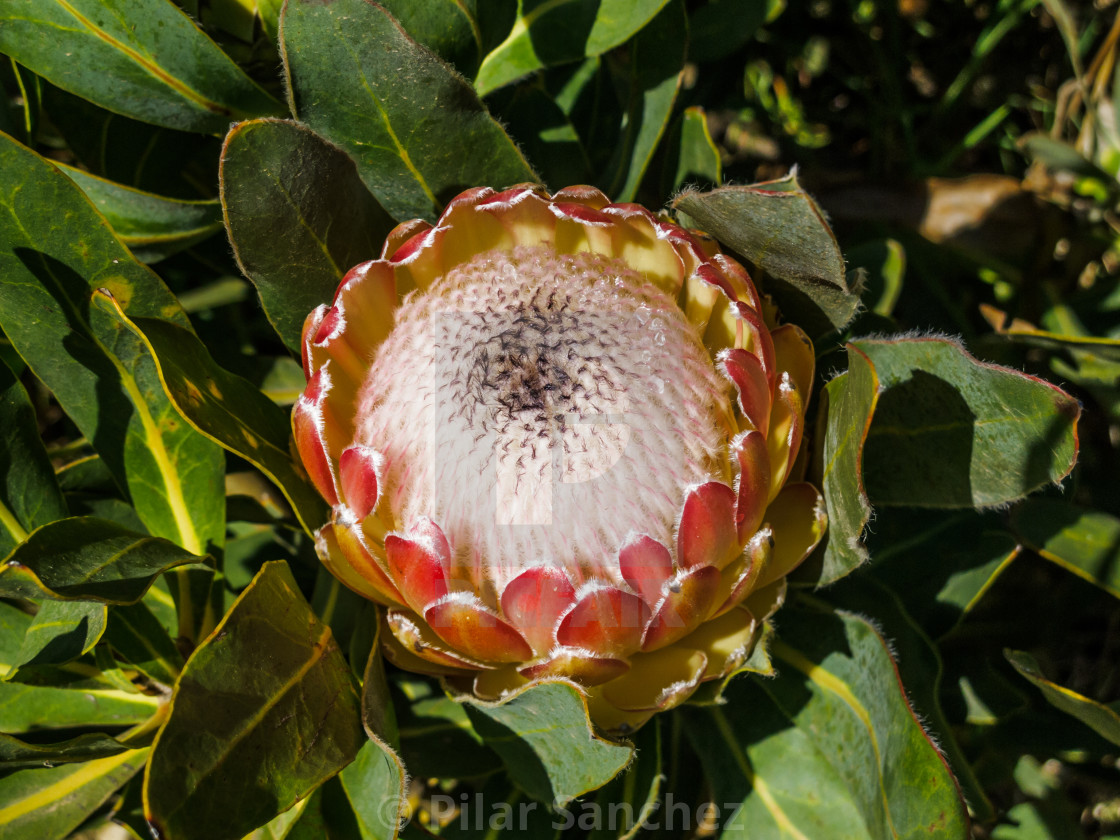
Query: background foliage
[174,658]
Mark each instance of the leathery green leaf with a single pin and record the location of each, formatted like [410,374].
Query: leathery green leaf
[136,636]
[59,252]
[952,431]
[88,703]
[16,753]
[61,631]
[298,215]
[152,226]
[939,563]
[652,71]
[631,800]
[1085,542]
[779,228]
[13,625]
[375,781]
[268,688]
[89,559]
[697,157]
[838,684]
[1098,717]
[850,399]
[142,58]
[546,740]
[50,803]
[449,28]
[769,779]
[29,492]
[227,409]
[920,670]
[359,81]
[574,30]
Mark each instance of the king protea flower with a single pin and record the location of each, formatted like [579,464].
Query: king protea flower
[557,435]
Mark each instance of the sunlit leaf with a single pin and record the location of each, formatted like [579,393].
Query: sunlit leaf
[138,637]
[358,80]
[545,738]
[269,688]
[16,753]
[920,670]
[1086,542]
[778,227]
[838,684]
[144,58]
[940,563]
[769,779]
[59,252]
[375,783]
[299,217]
[227,409]
[952,431]
[152,226]
[52,802]
[61,631]
[697,156]
[449,28]
[651,75]
[550,32]
[1097,716]
[27,707]
[851,399]
[82,558]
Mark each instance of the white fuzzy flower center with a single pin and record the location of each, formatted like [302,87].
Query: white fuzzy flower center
[540,407]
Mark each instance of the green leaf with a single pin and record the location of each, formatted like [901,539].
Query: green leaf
[437,737]
[88,559]
[15,753]
[375,783]
[269,688]
[779,228]
[59,252]
[132,153]
[546,740]
[770,779]
[142,58]
[839,684]
[634,797]
[359,81]
[13,625]
[60,632]
[137,636]
[885,262]
[29,493]
[551,32]
[1098,717]
[1085,542]
[152,226]
[299,218]
[49,803]
[940,563]
[920,670]
[697,156]
[1059,155]
[449,28]
[1040,821]
[850,399]
[952,431]
[228,410]
[37,707]
[651,76]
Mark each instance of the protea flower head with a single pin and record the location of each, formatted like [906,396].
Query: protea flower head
[557,436]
